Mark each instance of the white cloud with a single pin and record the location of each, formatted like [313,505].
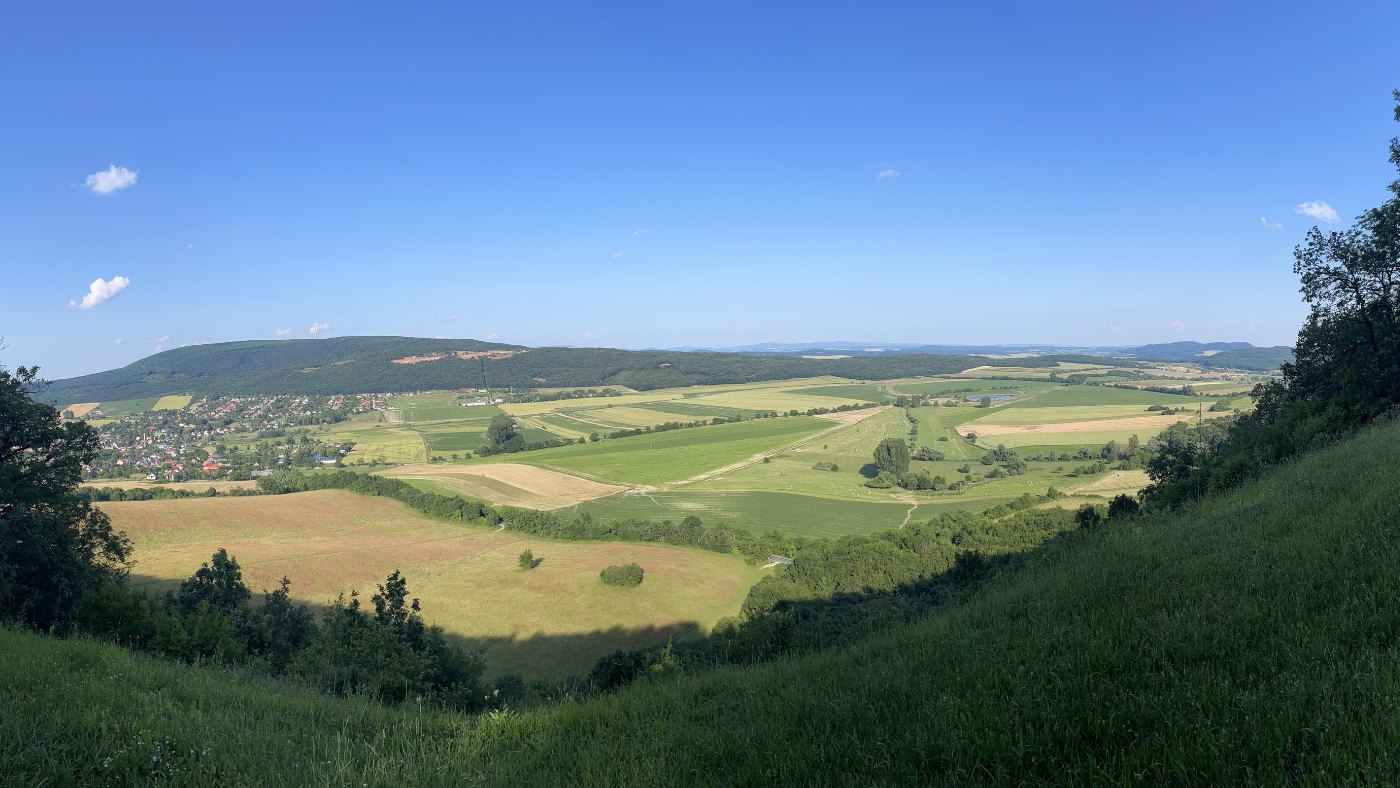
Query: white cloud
[617,255]
[187,249]
[440,336]
[1252,324]
[640,232]
[1114,328]
[1265,222]
[160,339]
[110,180]
[1319,210]
[490,336]
[1178,325]
[887,174]
[119,341]
[281,332]
[100,291]
[588,335]
[317,328]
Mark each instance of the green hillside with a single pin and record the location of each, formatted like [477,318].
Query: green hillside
[1246,640]
[347,365]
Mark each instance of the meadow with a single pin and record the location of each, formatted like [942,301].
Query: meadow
[548,622]
[1243,641]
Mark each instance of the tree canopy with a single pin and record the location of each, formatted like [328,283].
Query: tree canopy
[53,544]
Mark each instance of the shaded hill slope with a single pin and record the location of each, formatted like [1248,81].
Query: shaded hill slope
[1251,639]
[346,365]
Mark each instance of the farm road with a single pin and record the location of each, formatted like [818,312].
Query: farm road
[757,458]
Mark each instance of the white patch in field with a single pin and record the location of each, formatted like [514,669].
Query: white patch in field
[110,180]
[101,291]
[1320,211]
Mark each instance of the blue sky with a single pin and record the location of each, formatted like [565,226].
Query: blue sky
[657,175]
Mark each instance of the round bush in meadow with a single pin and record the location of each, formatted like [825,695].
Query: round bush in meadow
[626,576]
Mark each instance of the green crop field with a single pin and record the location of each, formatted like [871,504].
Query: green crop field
[1062,396]
[855,391]
[395,445]
[666,457]
[689,411]
[760,512]
[127,407]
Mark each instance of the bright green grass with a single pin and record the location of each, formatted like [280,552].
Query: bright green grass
[1248,641]
[760,512]
[439,442]
[672,456]
[856,391]
[1099,395]
[938,388]
[694,411]
[444,413]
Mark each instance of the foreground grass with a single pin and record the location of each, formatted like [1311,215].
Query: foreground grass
[1249,641]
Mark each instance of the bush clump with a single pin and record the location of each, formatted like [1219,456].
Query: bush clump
[627,576]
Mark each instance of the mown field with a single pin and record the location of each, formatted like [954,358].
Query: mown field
[552,621]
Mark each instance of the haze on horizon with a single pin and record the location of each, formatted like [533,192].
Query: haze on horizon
[635,176]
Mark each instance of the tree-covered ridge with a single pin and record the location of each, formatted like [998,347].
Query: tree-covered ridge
[357,364]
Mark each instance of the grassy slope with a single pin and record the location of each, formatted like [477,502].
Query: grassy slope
[1251,640]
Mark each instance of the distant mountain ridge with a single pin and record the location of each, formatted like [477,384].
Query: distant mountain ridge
[1236,355]
[347,365]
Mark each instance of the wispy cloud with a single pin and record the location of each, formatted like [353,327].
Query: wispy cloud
[1266,223]
[440,336]
[1114,328]
[616,255]
[490,336]
[110,180]
[187,249]
[1178,325]
[119,341]
[281,332]
[588,335]
[887,174]
[1320,211]
[317,328]
[101,291]
[640,232]
[1252,324]
[447,319]
[157,340]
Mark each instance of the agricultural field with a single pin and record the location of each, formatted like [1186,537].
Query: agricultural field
[668,457]
[549,622]
[172,402]
[777,473]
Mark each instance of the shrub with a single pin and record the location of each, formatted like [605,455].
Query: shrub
[627,576]
[527,560]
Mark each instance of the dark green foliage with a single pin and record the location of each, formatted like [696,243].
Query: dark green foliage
[344,365]
[527,560]
[625,576]
[1345,372]
[838,591]
[892,456]
[927,454]
[54,546]
[501,429]
[1123,505]
[1090,515]
[445,507]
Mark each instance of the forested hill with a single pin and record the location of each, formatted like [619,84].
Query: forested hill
[361,364]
